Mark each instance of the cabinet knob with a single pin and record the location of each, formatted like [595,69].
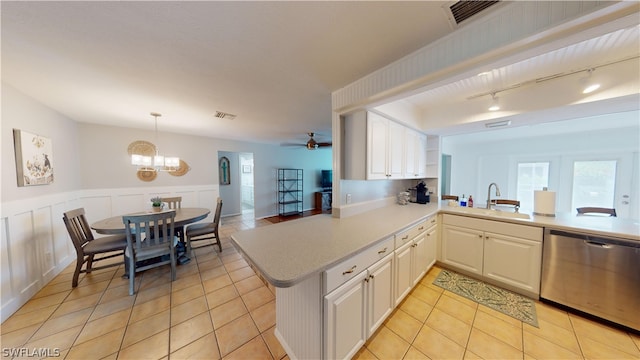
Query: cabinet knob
[421,228]
[350,270]
[382,251]
[480,236]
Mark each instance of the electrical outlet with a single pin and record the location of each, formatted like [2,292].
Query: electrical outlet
[348,198]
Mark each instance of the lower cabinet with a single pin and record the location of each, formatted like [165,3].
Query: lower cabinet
[513,261]
[504,253]
[462,248]
[413,258]
[362,291]
[356,309]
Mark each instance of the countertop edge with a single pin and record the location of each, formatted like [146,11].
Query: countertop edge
[395,227]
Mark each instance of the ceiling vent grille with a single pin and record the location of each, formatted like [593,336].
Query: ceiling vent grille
[462,10]
[224,115]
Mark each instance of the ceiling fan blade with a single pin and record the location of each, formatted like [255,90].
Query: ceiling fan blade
[324,144]
[292,144]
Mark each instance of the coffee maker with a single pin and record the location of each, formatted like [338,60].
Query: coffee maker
[419,194]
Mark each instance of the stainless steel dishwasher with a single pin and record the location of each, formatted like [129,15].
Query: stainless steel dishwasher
[594,274]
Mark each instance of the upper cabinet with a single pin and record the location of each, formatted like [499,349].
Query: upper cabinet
[376,147]
[384,148]
[415,161]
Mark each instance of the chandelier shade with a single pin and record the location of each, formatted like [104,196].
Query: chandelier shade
[156,162]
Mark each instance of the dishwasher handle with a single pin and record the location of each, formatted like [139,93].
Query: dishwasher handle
[595,240]
[597,244]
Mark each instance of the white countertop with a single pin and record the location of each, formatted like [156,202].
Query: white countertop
[289,252]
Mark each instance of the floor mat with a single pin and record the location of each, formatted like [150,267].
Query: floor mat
[504,301]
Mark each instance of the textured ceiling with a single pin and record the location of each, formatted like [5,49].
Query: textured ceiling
[273,64]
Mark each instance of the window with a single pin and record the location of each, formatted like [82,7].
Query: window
[594,183]
[531,176]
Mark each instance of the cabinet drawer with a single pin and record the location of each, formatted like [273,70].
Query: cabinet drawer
[498,227]
[351,267]
[410,233]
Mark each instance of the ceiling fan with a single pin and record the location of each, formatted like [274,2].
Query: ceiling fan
[312,144]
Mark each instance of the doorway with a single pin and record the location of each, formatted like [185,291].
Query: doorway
[236,191]
[246,183]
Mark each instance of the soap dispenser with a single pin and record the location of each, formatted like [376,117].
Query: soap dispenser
[463,201]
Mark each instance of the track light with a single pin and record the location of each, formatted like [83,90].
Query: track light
[495,106]
[590,85]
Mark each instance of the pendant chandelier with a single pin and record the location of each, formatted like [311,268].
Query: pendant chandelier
[157,162]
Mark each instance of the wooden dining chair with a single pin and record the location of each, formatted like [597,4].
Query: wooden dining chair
[174,202]
[150,237]
[205,231]
[449,197]
[514,203]
[596,210]
[90,250]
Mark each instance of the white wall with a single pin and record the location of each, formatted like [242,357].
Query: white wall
[230,193]
[24,113]
[92,170]
[477,164]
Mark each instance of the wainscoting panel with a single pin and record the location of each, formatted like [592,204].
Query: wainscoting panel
[35,246]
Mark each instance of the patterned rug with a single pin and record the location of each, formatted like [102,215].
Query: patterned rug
[504,301]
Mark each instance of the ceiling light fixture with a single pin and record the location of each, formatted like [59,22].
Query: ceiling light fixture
[495,105]
[590,85]
[498,124]
[539,80]
[157,162]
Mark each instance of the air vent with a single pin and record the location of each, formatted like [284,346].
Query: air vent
[462,10]
[224,115]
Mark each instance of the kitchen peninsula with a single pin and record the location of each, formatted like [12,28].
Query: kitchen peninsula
[321,263]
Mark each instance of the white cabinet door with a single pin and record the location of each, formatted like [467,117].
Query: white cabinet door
[396,150]
[463,248]
[431,246]
[415,154]
[403,280]
[421,156]
[410,154]
[345,329]
[377,147]
[512,260]
[420,258]
[380,301]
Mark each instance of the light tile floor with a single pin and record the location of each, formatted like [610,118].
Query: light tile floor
[219,308]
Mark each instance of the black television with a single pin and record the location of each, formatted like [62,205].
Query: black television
[326,177]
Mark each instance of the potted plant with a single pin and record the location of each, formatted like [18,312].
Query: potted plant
[156,203]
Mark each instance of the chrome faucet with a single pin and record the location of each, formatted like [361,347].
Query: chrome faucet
[489,194]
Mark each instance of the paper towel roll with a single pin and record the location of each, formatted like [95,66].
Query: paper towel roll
[544,203]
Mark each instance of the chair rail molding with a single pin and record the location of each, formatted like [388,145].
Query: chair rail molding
[35,246]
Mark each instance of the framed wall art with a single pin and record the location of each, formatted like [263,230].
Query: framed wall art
[224,171]
[34,158]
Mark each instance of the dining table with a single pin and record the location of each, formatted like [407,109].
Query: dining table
[184,216]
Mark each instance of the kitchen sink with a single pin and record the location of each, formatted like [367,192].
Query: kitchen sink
[493,212]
